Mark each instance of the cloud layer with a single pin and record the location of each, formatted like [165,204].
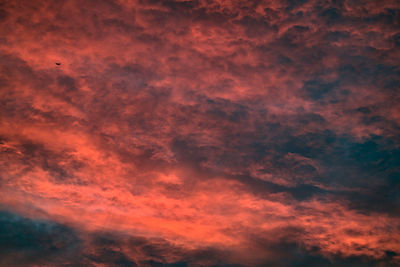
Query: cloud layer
[199,133]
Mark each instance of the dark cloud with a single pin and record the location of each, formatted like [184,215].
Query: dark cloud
[24,241]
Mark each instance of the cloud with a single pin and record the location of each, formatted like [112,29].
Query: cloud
[25,241]
[200,133]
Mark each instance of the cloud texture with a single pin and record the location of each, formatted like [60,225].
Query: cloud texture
[199,133]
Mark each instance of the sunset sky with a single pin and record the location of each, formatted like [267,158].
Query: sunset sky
[199,133]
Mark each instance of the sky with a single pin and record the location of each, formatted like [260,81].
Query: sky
[199,133]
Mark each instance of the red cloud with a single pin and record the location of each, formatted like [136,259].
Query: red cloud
[232,128]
